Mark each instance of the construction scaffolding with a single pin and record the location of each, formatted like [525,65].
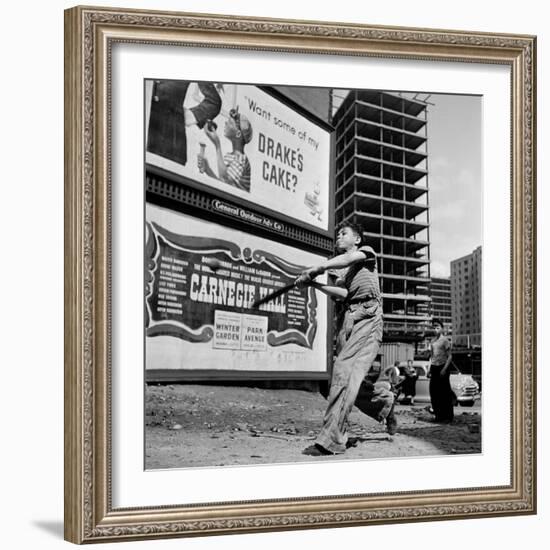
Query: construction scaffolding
[382,184]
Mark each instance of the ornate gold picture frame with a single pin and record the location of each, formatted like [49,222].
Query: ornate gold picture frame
[90,36]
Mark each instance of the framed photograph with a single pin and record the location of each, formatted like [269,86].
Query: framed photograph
[296,253]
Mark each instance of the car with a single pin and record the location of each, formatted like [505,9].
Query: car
[465,388]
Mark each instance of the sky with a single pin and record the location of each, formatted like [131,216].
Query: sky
[454,178]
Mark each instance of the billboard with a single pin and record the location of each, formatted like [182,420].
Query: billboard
[242,141]
[198,319]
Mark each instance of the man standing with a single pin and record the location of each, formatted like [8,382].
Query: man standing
[359,337]
[441,394]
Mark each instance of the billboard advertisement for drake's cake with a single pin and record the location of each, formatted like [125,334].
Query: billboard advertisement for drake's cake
[242,141]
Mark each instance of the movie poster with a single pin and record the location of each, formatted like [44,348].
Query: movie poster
[199,318]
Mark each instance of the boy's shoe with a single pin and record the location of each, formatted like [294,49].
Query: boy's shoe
[316,450]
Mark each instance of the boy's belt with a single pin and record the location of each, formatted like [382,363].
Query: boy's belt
[361,301]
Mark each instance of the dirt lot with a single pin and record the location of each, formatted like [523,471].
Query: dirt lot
[203,425]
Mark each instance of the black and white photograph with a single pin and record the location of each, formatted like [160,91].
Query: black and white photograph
[313,274]
[300,275]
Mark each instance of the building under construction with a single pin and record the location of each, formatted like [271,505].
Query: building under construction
[382,184]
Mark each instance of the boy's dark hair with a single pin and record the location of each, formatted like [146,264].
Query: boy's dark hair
[436,321]
[355,227]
